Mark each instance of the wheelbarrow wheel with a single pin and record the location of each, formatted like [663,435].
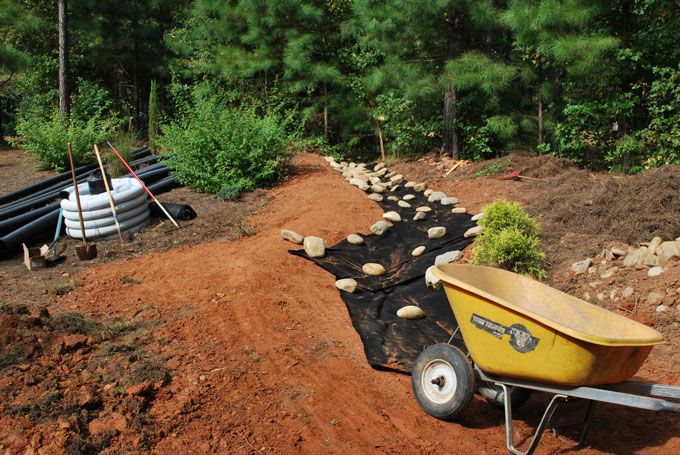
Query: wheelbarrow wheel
[443,381]
[493,394]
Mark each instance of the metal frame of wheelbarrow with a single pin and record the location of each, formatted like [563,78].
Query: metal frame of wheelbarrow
[634,394]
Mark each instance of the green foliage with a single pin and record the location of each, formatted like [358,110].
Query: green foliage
[490,169]
[213,148]
[125,141]
[47,140]
[509,240]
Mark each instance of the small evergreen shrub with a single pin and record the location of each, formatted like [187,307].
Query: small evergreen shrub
[48,139]
[214,148]
[509,240]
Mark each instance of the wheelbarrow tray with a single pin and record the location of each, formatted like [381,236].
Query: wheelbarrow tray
[517,327]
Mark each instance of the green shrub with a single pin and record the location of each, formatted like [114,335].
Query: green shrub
[509,240]
[213,147]
[154,114]
[125,141]
[47,139]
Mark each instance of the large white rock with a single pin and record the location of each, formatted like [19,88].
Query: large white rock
[654,244]
[436,232]
[635,257]
[655,271]
[448,201]
[355,239]
[668,249]
[346,284]
[447,258]
[380,227]
[473,231]
[436,196]
[410,312]
[478,217]
[372,268]
[292,236]
[314,247]
[432,280]
[392,216]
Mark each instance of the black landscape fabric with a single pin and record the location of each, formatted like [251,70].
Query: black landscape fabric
[390,342]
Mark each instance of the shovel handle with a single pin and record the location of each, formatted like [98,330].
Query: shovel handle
[75,187]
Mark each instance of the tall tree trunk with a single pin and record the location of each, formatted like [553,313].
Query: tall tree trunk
[380,139]
[325,110]
[64,98]
[450,142]
[540,117]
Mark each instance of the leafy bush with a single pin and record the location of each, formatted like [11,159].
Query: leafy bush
[48,139]
[509,240]
[213,148]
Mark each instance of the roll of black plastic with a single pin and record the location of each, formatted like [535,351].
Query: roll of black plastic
[182,212]
[35,230]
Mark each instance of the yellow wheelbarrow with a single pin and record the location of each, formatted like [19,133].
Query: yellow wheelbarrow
[524,336]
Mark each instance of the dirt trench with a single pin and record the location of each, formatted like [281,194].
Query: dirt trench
[263,357]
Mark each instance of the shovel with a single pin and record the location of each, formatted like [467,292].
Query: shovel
[85,251]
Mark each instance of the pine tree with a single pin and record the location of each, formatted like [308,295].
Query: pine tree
[154,113]
[553,37]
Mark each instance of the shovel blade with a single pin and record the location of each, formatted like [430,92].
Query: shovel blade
[86,252]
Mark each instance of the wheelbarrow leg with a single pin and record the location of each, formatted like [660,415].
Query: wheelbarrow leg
[586,424]
[547,415]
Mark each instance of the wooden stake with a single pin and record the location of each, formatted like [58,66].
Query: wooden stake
[108,192]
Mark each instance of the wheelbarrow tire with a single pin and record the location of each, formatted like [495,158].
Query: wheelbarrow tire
[443,381]
[493,394]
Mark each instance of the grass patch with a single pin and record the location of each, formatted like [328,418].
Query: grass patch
[63,288]
[490,169]
[127,279]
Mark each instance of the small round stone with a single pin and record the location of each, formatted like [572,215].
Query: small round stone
[392,198]
[375,197]
[410,312]
[380,227]
[436,232]
[346,284]
[403,204]
[374,269]
[473,231]
[408,197]
[392,216]
[449,201]
[423,208]
[418,251]
[427,193]
[459,210]
[419,216]
[355,239]
[314,247]
[292,236]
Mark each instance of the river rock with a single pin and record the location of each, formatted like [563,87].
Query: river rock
[395,188]
[419,216]
[668,250]
[654,244]
[608,273]
[459,210]
[655,271]
[627,292]
[292,236]
[314,247]
[661,309]
[419,187]
[335,165]
[432,280]
[449,201]
[375,197]
[654,297]
[423,208]
[427,193]
[634,257]
[352,165]
[436,232]
[346,284]
[418,251]
[396,178]
[392,216]
[374,180]
[408,197]
[410,312]
[478,217]
[380,227]
[378,166]
[404,204]
[409,184]
[392,198]
[447,258]
[473,231]
[357,182]
[355,239]
[378,188]
[618,251]
[581,266]
[381,172]
[372,268]
[329,159]
[436,196]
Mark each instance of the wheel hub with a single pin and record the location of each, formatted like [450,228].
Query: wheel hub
[439,381]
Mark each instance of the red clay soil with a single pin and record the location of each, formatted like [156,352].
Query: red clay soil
[262,356]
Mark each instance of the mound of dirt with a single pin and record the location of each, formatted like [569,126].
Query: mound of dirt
[631,209]
[85,383]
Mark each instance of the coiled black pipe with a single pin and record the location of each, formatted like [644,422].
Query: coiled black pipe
[31,189]
[15,223]
[35,230]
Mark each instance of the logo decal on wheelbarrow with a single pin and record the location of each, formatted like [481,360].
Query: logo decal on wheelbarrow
[520,337]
